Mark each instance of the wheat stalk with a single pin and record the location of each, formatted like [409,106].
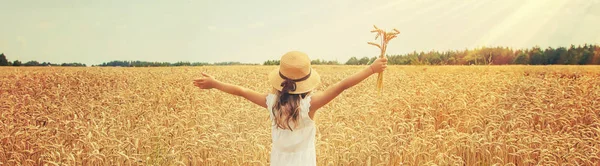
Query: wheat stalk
[385,38]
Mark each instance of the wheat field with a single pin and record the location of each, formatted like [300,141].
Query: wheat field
[426,115]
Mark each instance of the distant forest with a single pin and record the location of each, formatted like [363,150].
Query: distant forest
[5,62]
[573,55]
[167,64]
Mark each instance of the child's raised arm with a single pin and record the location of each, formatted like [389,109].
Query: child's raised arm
[208,82]
[320,99]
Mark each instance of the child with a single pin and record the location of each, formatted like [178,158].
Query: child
[291,104]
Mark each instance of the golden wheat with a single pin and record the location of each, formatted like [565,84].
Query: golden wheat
[385,39]
[443,115]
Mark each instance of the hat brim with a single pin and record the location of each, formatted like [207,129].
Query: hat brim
[301,87]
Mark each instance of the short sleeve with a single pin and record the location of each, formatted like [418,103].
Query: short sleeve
[306,106]
[270,102]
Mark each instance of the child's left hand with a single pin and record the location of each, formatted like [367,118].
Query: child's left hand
[207,82]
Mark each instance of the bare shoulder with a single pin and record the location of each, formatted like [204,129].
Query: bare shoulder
[316,101]
[315,96]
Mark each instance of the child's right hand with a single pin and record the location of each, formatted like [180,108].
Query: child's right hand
[207,82]
[379,65]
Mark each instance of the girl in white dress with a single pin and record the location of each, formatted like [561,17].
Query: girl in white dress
[291,104]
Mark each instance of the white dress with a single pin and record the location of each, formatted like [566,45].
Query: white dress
[295,147]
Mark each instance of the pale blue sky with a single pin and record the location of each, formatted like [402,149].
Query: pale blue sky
[98,31]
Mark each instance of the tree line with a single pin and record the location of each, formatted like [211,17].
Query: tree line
[5,62]
[573,55]
[167,64]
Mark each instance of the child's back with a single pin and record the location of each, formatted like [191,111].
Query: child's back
[295,147]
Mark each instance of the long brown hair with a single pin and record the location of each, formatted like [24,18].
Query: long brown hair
[287,109]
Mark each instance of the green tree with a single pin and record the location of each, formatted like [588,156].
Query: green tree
[271,62]
[586,56]
[472,58]
[17,63]
[537,57]
[573,55]
[3,60]
[352,61]
[363,61]
[563,55]
[32,63]
[551,55]
[521,59]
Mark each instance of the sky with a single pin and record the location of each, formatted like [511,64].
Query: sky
[96,31]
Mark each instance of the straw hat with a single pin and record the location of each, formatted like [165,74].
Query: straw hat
[295,74]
